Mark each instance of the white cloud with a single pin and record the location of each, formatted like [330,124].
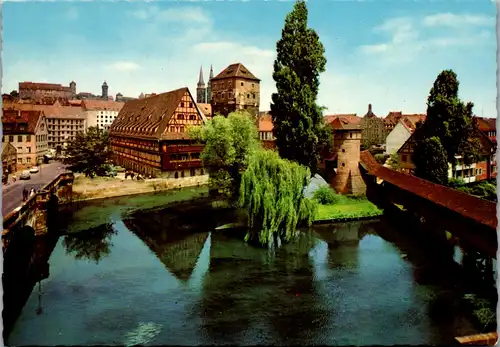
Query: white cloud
[72,14]
[457,20]
[124,66]
[180,14]
[409,37]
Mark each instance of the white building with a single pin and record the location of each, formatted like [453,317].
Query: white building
[402,132]
[101,113]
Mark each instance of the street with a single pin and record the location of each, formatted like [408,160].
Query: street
[12,194]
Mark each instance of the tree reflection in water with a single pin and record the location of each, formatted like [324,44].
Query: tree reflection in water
[91,244]
[248,288]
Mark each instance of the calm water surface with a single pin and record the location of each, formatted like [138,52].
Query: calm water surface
[163,276]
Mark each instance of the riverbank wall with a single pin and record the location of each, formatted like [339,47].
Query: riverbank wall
[85,188]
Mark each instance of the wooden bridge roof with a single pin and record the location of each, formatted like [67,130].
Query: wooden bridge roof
[479,210]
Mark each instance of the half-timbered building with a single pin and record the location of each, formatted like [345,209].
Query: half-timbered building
[149,135]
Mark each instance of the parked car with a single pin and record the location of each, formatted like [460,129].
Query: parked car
[25,175]
[34,169]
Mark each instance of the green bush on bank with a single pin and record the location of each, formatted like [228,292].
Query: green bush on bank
[325,195]
[483,190]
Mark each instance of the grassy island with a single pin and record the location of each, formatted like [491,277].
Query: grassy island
[333,207]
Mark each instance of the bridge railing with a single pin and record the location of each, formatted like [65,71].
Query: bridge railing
[43,195]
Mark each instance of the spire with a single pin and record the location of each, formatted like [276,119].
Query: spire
[211,72]
[201,83]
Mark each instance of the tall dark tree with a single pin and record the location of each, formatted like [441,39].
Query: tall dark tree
[299,127]
[450,119]
[89,152]
[430,161]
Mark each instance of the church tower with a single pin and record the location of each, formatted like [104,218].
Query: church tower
[201,91]
[72,86]
[104,94]
[209,86]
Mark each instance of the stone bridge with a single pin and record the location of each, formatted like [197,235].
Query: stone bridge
[31,216]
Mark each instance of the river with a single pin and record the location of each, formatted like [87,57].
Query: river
[132,272]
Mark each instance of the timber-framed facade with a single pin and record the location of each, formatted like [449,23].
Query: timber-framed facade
[149,136]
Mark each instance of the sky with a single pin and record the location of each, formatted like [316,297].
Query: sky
[387,53]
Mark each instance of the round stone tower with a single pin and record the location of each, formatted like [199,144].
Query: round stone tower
[347,147]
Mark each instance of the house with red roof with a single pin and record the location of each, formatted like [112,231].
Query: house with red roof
[27,132]
[403,129]
[485,168]
[266,126]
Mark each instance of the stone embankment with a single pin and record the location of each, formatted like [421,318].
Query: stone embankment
[85,188]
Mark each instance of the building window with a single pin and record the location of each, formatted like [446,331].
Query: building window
[192,172]
[343,164]
[20,138]
[28,160]
[182,174]
[19,160]
[242,84]
[404,157]
[191,104]
[180,116]
[28,138]
[29,149]
[202,172]
[192,117]
[350,135]
[176,175]
[11,138]
[343,150]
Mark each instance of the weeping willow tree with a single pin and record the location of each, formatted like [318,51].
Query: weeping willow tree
[272,192]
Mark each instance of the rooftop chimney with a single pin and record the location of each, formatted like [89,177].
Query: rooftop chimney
[369,108]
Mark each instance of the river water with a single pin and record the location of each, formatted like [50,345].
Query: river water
[132,272]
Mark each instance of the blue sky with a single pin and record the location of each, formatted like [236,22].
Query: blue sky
[387,53]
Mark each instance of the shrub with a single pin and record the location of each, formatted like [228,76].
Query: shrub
[325,195]
[456,182]
[381,158]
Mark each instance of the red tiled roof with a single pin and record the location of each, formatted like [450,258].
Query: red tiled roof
[206,109]
[148,117]
[345,122]
[16,117]
[50,111]
[265,122]
[410,121]
[479,210]
[102,105]
[235,70]
[350,117]
[486,124]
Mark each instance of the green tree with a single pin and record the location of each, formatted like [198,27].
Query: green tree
[430,161]
[272,193]
[299,127]
[228,145]
[394,162]
[88,152]
[450,119]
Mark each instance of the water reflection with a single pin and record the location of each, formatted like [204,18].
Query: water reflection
[175,236]
[248,289]
[335,285]
[92,244]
